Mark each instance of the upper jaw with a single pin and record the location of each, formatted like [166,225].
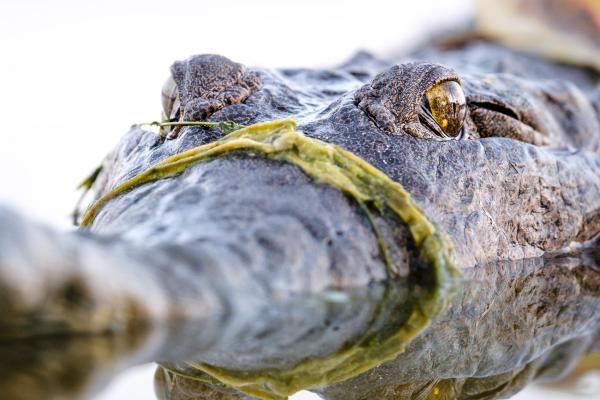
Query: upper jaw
[498,198]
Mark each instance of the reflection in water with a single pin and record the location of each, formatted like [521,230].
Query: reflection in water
[61,367]
[583,380]
[512,322]
[134,383]
[75,367]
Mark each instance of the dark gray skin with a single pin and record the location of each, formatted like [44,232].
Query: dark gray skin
[240,261]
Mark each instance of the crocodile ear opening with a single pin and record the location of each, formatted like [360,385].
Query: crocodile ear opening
[494,119]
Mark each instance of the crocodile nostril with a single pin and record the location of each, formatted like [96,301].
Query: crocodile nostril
[496,107]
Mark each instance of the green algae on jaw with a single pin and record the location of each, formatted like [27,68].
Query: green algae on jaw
[85,186]
[331,165]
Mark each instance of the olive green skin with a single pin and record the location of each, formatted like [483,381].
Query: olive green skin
[233,263]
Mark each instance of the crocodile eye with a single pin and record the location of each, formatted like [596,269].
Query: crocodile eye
[169,98]
[448,106]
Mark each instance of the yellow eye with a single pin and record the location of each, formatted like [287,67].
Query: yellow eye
[448,106]
[169,98]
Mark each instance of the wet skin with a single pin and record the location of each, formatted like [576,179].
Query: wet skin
[237,262]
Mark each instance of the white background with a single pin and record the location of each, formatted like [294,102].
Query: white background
[74,75]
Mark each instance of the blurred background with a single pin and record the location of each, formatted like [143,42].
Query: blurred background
[74,75]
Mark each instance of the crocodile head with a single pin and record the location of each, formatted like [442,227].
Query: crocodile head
[497,151]
[515,179]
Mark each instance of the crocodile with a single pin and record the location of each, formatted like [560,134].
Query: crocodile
[419,227]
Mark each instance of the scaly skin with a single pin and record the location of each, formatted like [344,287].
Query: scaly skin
[240,262]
